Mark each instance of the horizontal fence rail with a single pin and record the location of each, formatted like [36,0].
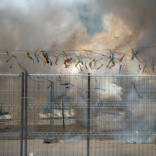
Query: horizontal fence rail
[91,75]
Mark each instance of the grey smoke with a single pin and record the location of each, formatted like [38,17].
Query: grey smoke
[37,25]
[140,16]
[67,24]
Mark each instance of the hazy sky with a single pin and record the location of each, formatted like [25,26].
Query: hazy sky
[27,2]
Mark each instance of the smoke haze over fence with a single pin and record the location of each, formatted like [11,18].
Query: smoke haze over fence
[61,25]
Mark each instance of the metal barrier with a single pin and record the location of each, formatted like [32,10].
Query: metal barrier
[11,114]
[81,115]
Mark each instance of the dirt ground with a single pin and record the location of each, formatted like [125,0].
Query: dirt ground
[77,148]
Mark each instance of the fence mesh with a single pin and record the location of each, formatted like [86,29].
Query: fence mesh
[10,115]
[57,114]
[113,116]
[122,113]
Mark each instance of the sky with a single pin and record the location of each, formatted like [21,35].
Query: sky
[25,3]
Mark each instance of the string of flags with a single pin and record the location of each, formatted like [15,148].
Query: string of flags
[66,61]
[30,57]
[81,62]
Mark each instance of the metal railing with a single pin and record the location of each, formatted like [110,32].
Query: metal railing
[11,114]
[86,115]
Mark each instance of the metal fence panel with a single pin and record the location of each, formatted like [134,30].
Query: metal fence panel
[57,116]
[91,115]
[10,115]
[77,115]
[123,116]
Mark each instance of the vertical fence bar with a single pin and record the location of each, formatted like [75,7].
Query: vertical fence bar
[26,112]
[88,118]
[52,111]
[22,113]
[62,102]
[50,137]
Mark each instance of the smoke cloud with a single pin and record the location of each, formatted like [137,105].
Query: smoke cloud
[97,24]
[140,17]
[37,25]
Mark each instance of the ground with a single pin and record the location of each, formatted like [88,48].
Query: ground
[77,148]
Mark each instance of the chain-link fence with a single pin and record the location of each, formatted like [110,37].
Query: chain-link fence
[79,115]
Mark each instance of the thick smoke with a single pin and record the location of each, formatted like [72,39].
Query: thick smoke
[36,25]
[140,16]
[98,24]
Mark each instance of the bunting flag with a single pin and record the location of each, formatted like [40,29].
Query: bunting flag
[133,54]
[56,61]
[132,57]
[90,64]
[127,69]
[44,61]
[36,57]
[29,56]
[77,63]
[121,59]
[110,61]
[51,62]
[82,62]
[86,66]
[94,61]
[68,60]
[7,60]
[112,57]
[80,68]
[100,66]
[120,68]
[46,57]
[144,68]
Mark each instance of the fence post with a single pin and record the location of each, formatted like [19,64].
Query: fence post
[62,105]
[26,112]
[52,111]
[88,118]
[22,113]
